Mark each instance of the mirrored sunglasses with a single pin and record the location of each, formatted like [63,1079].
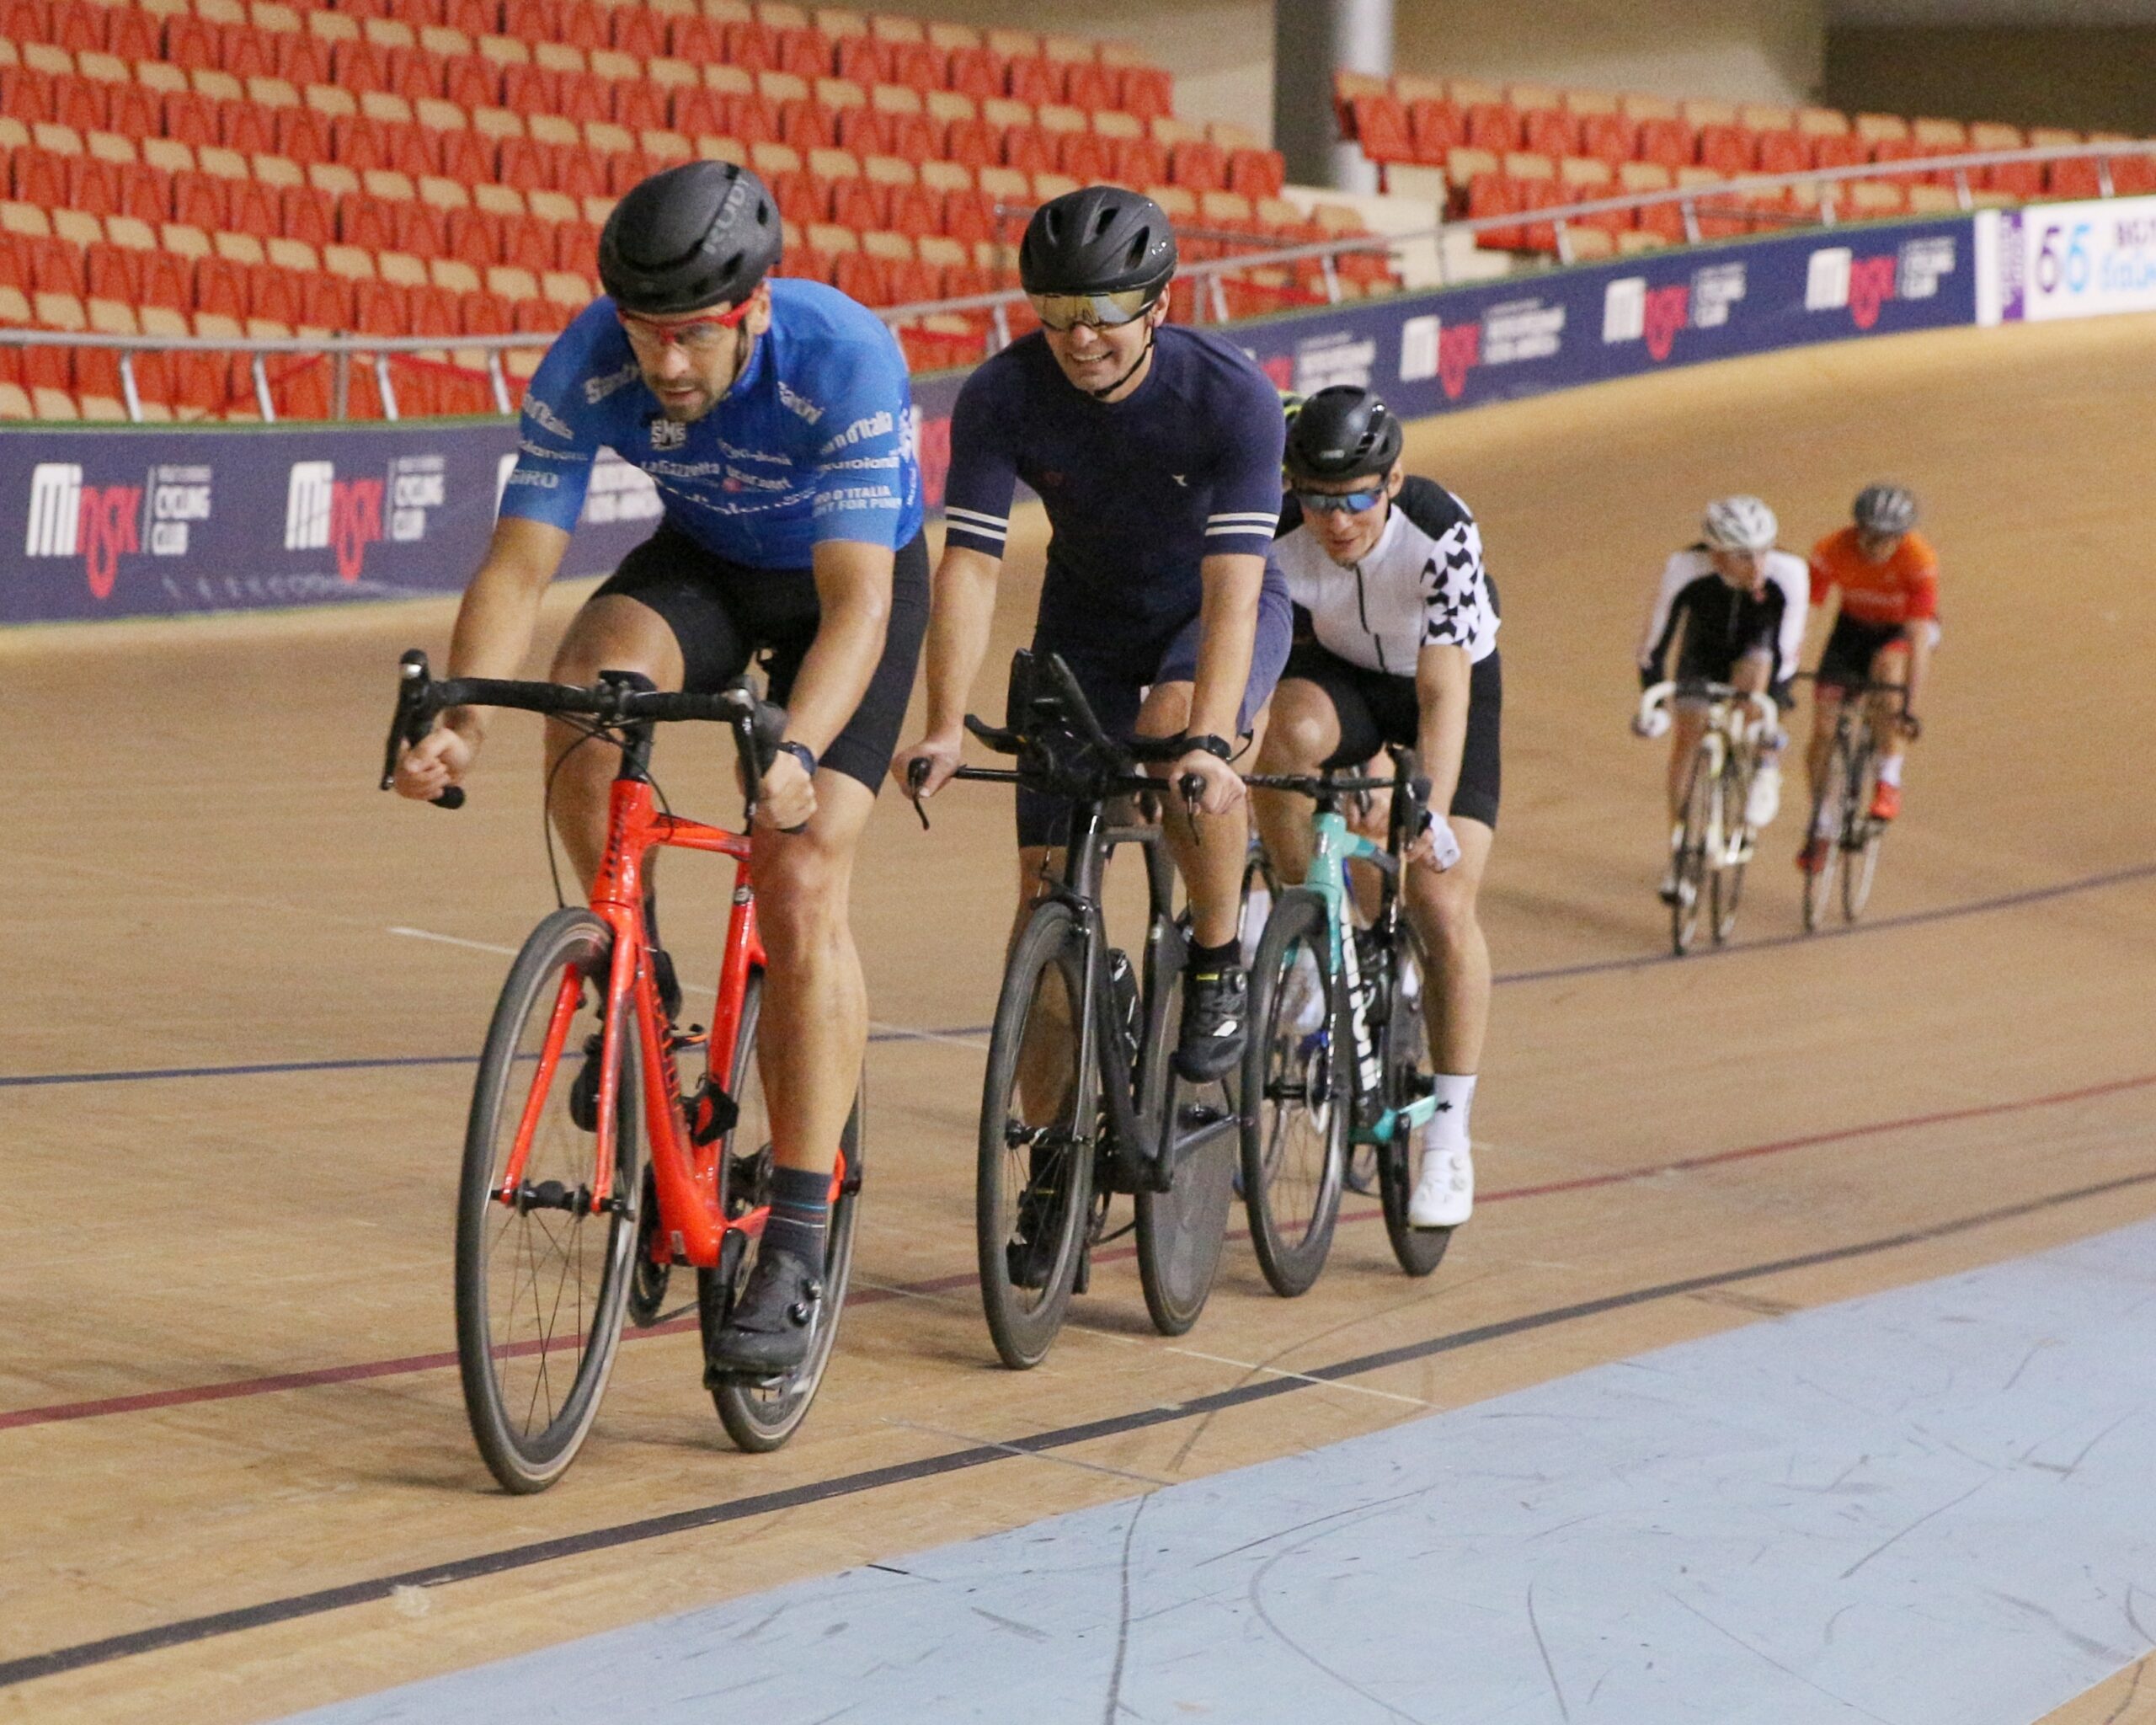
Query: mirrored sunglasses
[1331,502]
[1061,311]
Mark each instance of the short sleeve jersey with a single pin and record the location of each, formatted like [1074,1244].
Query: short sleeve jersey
[1138,491]
[813,441]
[1422,585]
[1902,589]
[1689,589]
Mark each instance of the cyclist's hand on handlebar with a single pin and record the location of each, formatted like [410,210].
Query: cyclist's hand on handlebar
[432,765]
[926,767]
[1439,848]
[1910,726]
[1223,790]
[786,799]
[1652,723]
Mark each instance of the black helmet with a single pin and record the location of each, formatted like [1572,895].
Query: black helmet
[1885,509]
[693,236]
[1099,239]
[1343,433]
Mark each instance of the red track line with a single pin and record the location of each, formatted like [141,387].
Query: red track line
[58,1412]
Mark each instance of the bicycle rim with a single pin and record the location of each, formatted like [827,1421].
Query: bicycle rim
[1728,881]
[1294,1134]
[1691,870]
[1417,1250]
[1033,1191]
[759,1416]
[1826,817]
[1866,835]
[541,1284]
[1180,1231]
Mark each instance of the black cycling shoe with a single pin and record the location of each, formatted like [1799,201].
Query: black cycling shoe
[584,1088]
[773,1321]
[1030,1259]
[1215,1022]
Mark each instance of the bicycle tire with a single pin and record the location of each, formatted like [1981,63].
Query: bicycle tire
[760,1418]
[1826,816]
[1690,876]
[529,1436]
[1417,1250]
[1181,1232]
[1727,886]
[1048,1162]
[1862,865]
[1292,1078]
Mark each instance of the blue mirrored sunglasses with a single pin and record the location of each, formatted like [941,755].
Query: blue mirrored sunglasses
[1327,503]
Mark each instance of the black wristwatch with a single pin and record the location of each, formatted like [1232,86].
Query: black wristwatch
[1219,748]
[800,751]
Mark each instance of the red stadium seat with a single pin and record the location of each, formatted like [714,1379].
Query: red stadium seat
[914,210]
[806,126]
[466,157]
[473,236]
[190,43]
[308,214]
[972,144]
[361,66]
[221,286]
[1606,137]
[1837,149]
[302,60]
[369,223]
[1032,79]
[1088,84]
[1199,165]
[1493,126]
[1256,173]
[1147,91]
[190,119]
[2076,177]
[1436,127]
[420,230]
[640,107]
[471,83]
[1727,149]
[752,47]
[1029,150]
[531,89]
[255,209]
[584,96]
[914,63]
[527,243]
[415,74]
[804,53]
[1087,156]
[863,59]
[1549,132]
[247,127]
[145,194]
[111,272]
[38,177]
[80,102]
[1492,194]
[134,111]
[305,135]
[858,204]
[1783,153]
[25,93]
[638,32]
[166,281]
[1381,125]
[1140,162]
[244,52]
[199,200]
[1665,142]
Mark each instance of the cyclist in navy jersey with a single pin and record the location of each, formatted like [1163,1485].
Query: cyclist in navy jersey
[1156,450]
[772,416]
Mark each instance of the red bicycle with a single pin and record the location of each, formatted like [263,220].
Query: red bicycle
[562,1229]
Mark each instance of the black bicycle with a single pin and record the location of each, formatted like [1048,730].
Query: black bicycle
[1841,807]
[1082,1101]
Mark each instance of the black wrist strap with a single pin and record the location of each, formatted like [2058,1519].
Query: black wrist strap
[1219,748]
[801,752]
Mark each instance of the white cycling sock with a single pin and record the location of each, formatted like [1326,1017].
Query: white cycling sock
[1455,1096]
[1890,772]
[1822,823]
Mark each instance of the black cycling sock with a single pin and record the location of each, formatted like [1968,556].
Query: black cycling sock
[1212,960]
[800,1203]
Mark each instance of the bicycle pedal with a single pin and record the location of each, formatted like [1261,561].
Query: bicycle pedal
[694,1037]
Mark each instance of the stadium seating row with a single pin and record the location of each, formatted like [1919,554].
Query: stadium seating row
[267,37]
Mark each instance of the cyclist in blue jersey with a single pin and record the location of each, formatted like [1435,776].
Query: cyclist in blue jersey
[772,416]
[1156,450]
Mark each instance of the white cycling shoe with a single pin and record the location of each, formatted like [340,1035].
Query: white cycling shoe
[1444,1194]
[1764,799]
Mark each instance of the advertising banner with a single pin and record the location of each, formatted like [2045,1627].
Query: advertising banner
[2071,260]
[130,521]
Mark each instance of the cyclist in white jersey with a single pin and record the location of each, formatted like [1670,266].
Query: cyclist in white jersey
[1397,643]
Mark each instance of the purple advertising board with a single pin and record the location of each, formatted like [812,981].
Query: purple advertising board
[128,521]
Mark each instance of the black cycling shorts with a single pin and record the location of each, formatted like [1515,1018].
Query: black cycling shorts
[722,613]
[1115,679]
[1375,707]
[1846,659]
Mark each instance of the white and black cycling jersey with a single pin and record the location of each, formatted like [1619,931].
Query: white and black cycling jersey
[1720,622]
[1422,585]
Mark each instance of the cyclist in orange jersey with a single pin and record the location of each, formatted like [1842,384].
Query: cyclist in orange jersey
[1887,625]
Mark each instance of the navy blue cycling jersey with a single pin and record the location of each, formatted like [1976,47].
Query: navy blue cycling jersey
[1138,491]
[812,442]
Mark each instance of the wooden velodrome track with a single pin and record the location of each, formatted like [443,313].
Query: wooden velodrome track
[229,1419]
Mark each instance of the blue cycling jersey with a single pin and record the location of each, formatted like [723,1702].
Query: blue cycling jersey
[813,442]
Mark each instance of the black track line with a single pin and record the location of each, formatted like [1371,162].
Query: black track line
[192,1629]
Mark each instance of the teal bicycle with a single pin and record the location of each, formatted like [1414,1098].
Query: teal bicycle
[1337,1055]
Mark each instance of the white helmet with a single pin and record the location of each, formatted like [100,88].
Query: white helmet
[1739,523]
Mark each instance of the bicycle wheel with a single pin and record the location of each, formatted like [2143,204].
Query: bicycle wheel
[541,1281]
[1863,838]
[1033,1192]
[1260,893]
[1726,885]
[1689,875]
[762,1416]
[1294,1131]
[1826,816]
[1400,1163]
[1180,1231]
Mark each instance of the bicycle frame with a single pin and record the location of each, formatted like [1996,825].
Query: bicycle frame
[1336,847]
[691,1223]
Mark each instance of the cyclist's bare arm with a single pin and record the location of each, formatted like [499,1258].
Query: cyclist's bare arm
[1442,674]
[853,592]
[494,626]
[962,610]
[1921,633]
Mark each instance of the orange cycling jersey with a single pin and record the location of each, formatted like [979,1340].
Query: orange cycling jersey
[1902,589]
